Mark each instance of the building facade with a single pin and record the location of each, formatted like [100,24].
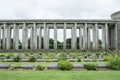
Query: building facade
[33,35]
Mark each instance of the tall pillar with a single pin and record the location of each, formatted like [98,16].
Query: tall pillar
[4,36]
[8,38]
[0,37]
[93,39]
[64,36]
[85,37]
[96,36]
[45,36]
[16,36]
[116,38]
[89,38]
[40,37]
[103,37]
[25,37]
[31,37]
[106,33]
[11,44]
[48,37]
[80,38]
[74,37]
[35,36]
[55,36]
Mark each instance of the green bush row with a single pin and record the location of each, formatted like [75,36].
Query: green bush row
[64,65]
[115,63]
[90,66]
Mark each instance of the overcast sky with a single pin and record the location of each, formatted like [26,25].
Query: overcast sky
[58,9]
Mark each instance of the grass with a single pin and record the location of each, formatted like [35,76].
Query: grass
[59,75]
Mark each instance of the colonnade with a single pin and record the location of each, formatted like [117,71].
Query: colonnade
[88,35]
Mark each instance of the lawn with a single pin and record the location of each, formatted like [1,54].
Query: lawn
[59,75]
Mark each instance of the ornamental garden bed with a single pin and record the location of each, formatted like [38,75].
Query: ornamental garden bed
[50,60]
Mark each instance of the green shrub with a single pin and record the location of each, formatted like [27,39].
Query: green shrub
[108,58]
[64,65]
[17,58]
[39,67]
[40,55]
[90,66]
[32,58]
[9,55]
[115,63]
[79,60]
[27,54]
[51,55]
[94,60]
[63,56]
[73,55]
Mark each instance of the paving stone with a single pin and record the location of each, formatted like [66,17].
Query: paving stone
[40,60]
[78,66]
[24,60]
[5,66]
[71,60]
[102,66]
[28,66]
[9,60]
[87,60]
[101,59]
[54,60]
[52,66]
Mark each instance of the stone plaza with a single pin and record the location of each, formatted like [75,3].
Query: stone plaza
[88,30]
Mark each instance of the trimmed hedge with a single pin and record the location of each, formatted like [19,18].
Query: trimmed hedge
[40,67]
[115,63]
[17,58]
[32,58]
[64,65]
[90,66]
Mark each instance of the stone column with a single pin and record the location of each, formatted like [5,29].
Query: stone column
[40,37]
[107,37]
[80,38]
[103,37]
[35,36]
[55,36]
[0,37]
[96,36]
[64,36]
[31,37]
[25,37]
[11,44]
[8,38]
[16,36]
[89,38]
[4,36]
[116,38]
[85,37]
[45,36]
[74,37]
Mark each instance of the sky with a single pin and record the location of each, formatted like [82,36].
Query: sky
[58,9]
